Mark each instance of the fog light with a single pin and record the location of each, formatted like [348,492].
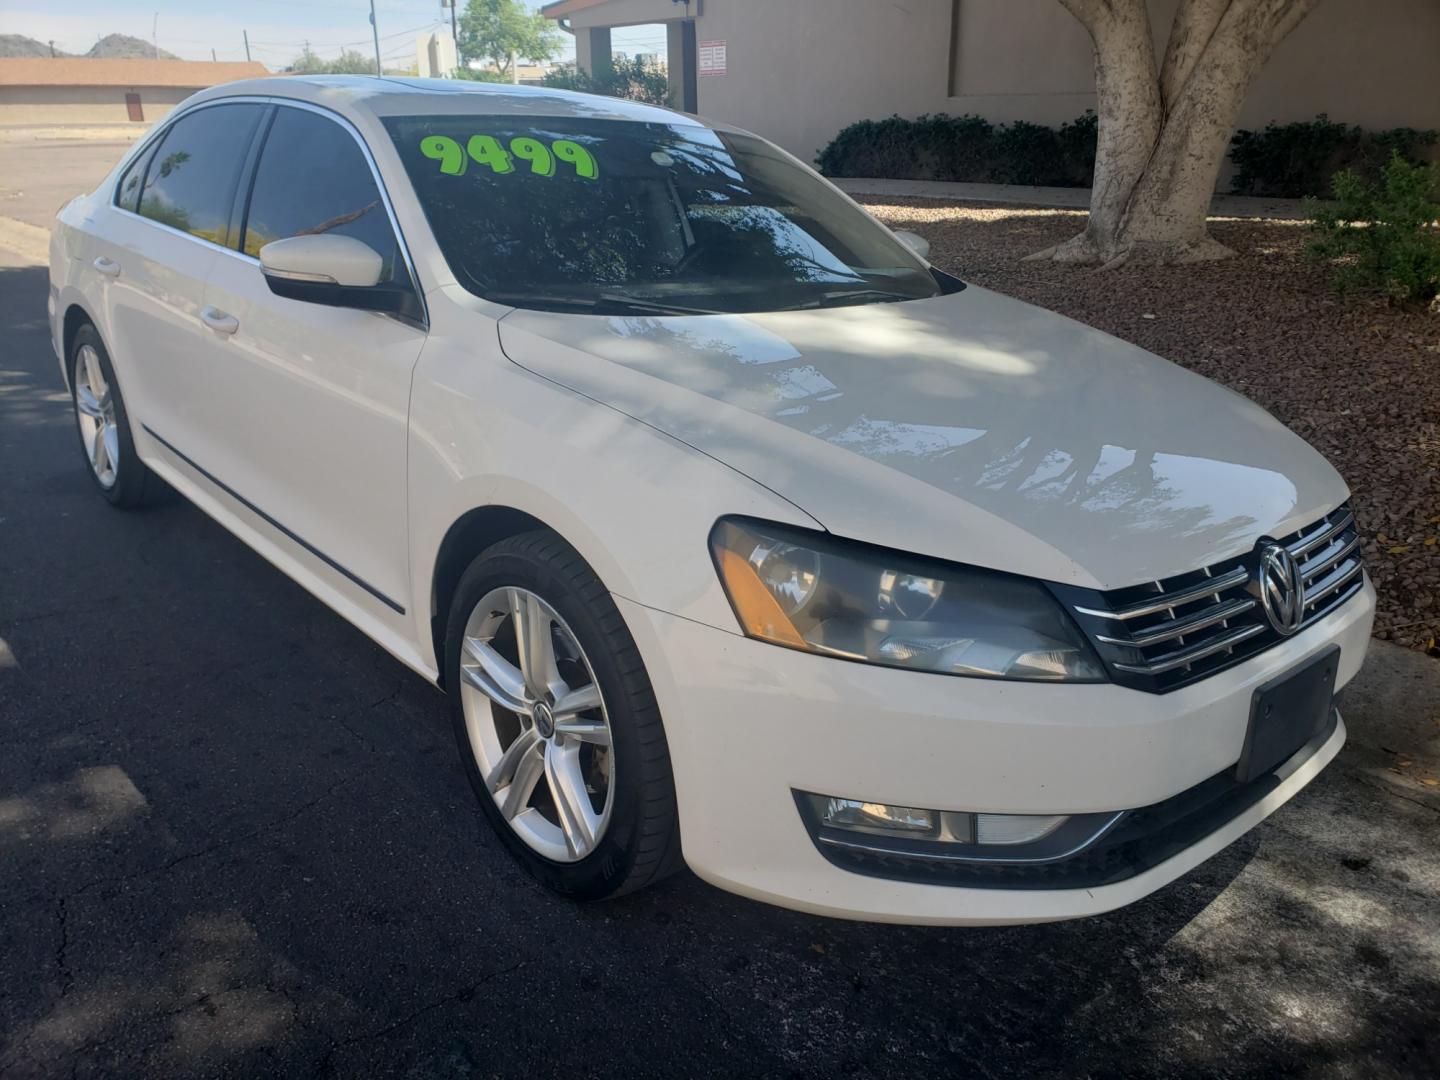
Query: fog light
[946,826]
[854,814]
[1015,828]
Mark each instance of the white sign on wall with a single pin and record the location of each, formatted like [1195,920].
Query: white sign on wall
[711,55]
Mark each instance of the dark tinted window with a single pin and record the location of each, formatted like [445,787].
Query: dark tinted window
[192,177]
[313,178]
[127,195]
[577,214]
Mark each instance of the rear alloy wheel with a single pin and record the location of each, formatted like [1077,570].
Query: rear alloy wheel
[557,723]
[104,425]
[95,413]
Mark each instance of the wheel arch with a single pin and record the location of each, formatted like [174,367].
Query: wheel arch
[75,317]
[467,537]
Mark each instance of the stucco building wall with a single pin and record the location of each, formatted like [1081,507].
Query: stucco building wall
[800,70]
[84,104]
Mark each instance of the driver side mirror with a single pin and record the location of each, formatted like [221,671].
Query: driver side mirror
[914,241]
[338,271]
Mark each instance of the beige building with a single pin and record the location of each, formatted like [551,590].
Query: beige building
[797,71]
[79,90]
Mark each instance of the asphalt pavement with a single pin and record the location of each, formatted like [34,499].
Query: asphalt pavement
[235,840]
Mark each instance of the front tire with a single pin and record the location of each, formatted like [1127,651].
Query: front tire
[104,425]
[557,723]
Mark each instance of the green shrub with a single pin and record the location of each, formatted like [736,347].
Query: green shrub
[964,148]
[1294,160]
[1385,234]
[637,80]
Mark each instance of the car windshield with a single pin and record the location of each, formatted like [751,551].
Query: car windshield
[609,216]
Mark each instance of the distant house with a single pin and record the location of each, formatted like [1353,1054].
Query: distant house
[78,90]
[798,71]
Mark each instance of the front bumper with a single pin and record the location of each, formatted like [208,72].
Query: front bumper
[748,724]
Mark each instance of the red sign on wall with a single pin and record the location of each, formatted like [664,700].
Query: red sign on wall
[711,55]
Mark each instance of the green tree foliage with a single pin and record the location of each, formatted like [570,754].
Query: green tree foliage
[636,80]
[491,31]
[1383,235]
[349,62]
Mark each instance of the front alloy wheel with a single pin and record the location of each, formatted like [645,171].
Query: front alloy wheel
[537,724]
[556,721]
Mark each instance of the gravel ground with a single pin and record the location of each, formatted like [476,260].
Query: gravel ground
[1356,378]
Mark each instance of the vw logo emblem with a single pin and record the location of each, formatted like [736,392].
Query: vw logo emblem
[1282,588]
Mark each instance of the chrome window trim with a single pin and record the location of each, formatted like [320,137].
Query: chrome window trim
[284,103]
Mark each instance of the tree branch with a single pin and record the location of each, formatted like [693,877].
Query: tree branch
[1290,14]
[1190,34]
[1093,13]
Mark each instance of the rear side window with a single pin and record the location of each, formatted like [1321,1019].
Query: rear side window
[191,182]
[313,178]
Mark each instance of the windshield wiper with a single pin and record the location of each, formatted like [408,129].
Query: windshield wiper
[586,303]
[842,296]
[657,306]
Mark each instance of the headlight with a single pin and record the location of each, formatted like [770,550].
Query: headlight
[810,591]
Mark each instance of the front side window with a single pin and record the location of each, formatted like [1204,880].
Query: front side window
[313,178]
[610,216]
[190,184]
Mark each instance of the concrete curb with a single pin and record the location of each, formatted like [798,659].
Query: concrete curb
[1058,198]
[28,241]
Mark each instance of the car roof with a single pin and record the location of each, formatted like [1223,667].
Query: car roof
[391,95]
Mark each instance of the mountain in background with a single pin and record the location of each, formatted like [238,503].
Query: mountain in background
[110,47]
[125,47]
[18,45]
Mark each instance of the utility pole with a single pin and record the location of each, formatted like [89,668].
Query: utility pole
[247,45]
[52,50]
[375,29]
[454,31]
[212,56]
[154,35]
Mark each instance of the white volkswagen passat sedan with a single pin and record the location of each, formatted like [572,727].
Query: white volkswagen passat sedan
[731,527]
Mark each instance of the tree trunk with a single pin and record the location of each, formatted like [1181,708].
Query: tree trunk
[1163,134]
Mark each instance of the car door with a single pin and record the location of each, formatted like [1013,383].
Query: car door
[307,405]
[146,257]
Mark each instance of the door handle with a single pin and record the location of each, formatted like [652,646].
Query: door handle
[218,321]
[108,267]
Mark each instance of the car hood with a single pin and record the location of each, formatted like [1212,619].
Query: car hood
[970,427]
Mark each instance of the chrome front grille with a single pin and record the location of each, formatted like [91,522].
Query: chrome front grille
[1165,634]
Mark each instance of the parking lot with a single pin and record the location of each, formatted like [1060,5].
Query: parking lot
[235,840]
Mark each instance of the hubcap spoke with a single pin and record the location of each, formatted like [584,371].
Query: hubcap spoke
[93,375]
[494,676]
[577,701]
[112,445]
[586,731]
[503,774]
[97,450]
[535,644]
[572,802]
[528,770]
[86,402]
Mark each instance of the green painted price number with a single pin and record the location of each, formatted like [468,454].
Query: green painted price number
[488,151]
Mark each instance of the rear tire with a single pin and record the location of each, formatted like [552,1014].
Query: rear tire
[625,834]
[104,426]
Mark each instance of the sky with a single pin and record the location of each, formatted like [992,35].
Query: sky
[278,28]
